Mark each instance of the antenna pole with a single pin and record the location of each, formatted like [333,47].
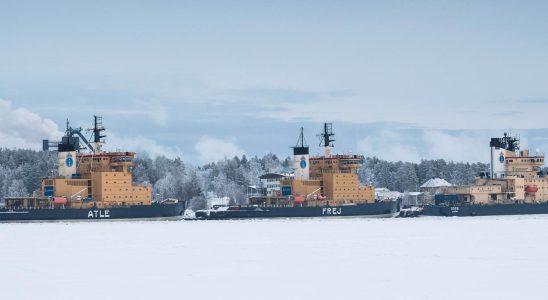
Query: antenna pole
[302,137]
[325,136]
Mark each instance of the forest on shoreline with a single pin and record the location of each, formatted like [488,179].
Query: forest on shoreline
[21,172]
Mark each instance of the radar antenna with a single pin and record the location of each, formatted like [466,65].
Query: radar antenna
[98,137]
[507,142]
[97,129]
[327,138]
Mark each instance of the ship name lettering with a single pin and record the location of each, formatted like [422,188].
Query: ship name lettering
[99,214]
[331,211]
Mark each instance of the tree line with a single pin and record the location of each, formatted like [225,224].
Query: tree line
[21,172]
[228,178]
[408,177]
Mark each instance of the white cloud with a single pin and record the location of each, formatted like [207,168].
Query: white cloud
[21,128]
[388,145]
[393,145]
[465,146]
[212,149]
[141,145]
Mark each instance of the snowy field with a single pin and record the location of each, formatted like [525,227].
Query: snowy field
[425,258]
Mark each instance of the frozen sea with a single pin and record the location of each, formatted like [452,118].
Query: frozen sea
[423,258]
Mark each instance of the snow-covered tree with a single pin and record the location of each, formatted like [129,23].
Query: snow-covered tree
[272,164]
[21,172]
[220,185]
[17,189]
[166,187]
[191,187]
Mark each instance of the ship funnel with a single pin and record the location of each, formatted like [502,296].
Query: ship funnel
[500,148]
[301,159]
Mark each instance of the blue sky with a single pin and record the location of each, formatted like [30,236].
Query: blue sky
[203,79]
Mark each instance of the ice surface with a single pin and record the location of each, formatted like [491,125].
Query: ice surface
[423,258]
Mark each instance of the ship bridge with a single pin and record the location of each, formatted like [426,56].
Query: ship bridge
[522,164]
[105,162]
[335,164]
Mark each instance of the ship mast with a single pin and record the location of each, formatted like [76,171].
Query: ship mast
[98,128]
[301,143]
[327,138]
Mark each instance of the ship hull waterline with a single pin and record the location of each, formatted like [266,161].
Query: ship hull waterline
[485,210]
[130,212]
[372,210]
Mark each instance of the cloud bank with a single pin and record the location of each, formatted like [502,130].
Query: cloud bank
[394,145]
[142,145]
[212,149]
[21,128]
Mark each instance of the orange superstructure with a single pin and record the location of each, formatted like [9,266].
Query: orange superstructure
[95,178]
[515,176]
[321,180]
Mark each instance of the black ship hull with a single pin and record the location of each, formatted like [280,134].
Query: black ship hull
[129,212]
[379,209]
[485,210]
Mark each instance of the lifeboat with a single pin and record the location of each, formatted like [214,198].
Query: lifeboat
[299,199]
[531,189]
[60,200]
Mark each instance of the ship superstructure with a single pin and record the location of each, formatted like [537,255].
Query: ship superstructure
[514,177]
[321,180]
[323,185]
[514,184]
[94,178]
[89,183]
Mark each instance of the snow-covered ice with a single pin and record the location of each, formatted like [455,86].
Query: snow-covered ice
[424,258]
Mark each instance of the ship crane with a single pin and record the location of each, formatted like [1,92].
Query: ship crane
[98,138]
[78,131]
[313,193]
[78,193]
[68,140]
